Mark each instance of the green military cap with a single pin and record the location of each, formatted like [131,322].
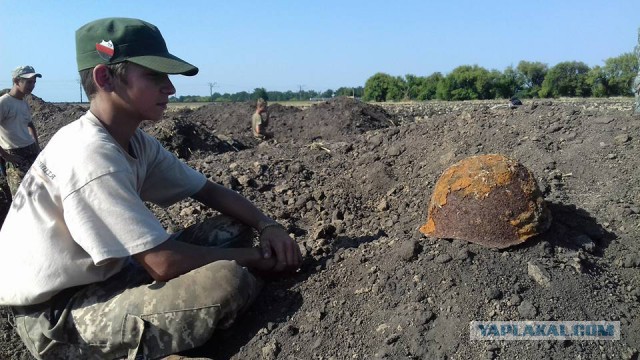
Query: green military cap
[114,40]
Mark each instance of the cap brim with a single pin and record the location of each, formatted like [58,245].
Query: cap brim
[166,64]
[29,76]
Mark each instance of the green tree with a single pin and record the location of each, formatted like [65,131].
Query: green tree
[567,78]
[429,86]
[241,96]
[260,93]
[344,91]
[509,83]
[413,86]
[599,83]
[350,91]
[467,82]
[397,89]
[617,75]
[376,88]
[533,74]
[327,94]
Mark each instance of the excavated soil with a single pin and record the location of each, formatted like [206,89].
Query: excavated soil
[351,181]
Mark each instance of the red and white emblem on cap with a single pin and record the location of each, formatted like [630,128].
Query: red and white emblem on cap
[105,50]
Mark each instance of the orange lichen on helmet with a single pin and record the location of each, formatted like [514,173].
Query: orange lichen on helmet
[473,176]
[487,199]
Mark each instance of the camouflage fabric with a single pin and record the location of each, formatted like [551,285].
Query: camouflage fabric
[131,316]
[5,192]
[17,170]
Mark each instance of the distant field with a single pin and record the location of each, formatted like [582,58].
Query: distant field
[194,105]
[304,104]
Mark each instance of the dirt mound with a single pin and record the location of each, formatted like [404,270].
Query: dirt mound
[51,117]
[187,139]
[337,119]
[333,120]
[353,189]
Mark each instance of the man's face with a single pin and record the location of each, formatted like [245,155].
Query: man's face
[146,93]
[26,86]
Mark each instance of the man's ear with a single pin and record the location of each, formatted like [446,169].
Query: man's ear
[103,78]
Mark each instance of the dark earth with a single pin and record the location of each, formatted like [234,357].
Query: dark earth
[351,182]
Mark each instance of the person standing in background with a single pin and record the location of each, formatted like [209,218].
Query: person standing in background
[19,145]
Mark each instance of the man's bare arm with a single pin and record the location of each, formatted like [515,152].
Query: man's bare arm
[174,258]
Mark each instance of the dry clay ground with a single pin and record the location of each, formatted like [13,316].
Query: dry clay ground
[351,182]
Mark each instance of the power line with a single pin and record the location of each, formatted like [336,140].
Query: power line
[211,86]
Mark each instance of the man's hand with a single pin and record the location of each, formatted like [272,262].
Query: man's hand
[277,244]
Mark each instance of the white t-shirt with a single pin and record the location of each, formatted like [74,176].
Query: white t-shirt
[14,118]
[79,212]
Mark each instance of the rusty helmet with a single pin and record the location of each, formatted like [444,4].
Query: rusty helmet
[488,199]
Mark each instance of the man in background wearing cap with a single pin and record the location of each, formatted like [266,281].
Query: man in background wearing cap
[18,137]
[88,269]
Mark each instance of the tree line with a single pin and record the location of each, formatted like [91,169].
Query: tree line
[473,82]
[272,95]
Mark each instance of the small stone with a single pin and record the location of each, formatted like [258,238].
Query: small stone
[383,205]
[271,350]
[631,260]
[188,211]
[621,139]
[394,151]
[244,180]
[463,254]
[515,299]
[408,250]
[527,310]
[442,258]
[538,274]
[382,328]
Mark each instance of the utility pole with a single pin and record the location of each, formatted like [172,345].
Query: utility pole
[211,86]
[80,83]
[300,92]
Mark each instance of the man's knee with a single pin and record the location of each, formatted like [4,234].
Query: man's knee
[227,278]
[229,285]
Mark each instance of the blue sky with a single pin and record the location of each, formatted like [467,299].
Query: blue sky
[288,45]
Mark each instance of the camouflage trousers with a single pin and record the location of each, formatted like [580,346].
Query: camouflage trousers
[131,316]
[17,170]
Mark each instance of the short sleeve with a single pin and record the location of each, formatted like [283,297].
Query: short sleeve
[107,218]
[168,179]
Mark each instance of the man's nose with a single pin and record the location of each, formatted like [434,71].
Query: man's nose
[168,87]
